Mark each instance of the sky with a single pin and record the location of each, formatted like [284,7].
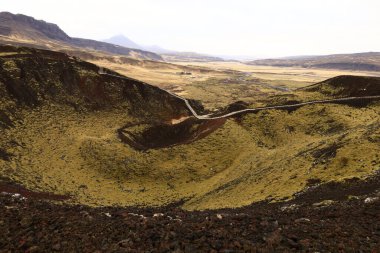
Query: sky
[257,28]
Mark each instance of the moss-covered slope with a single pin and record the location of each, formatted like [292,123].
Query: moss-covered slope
[60,127]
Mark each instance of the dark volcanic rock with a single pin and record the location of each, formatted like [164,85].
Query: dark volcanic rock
[30,225]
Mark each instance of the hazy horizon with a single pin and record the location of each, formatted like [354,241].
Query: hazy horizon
[256,28]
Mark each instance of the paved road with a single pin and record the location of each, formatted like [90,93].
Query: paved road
[208,116]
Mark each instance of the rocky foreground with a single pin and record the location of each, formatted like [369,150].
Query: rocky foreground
[35,225]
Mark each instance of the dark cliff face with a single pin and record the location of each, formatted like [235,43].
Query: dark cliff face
[31,28]
[30,78]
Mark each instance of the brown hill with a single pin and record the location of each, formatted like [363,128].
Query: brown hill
[347,86]
[24,30]
[362,61]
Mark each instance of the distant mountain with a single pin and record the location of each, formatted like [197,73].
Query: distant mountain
[24,30]
[369,61]
[121,40]
[124,41]
[169,55]
[189,57]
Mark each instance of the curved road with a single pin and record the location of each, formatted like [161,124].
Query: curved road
[208,117]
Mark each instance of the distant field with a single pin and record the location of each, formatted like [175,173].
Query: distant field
[218,84]
[295,76]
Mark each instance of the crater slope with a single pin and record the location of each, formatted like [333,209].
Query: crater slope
[64,129]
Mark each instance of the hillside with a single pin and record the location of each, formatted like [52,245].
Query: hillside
[361,62]
[24,30]
[103,140]
[347,86]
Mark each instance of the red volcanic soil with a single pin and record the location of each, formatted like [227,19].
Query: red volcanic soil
[166,135]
